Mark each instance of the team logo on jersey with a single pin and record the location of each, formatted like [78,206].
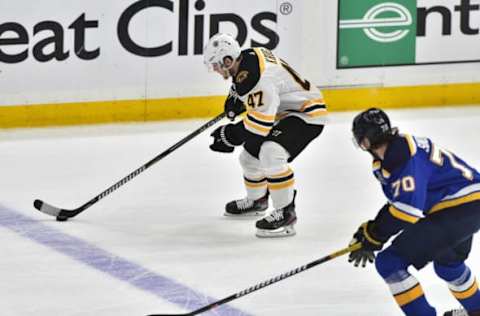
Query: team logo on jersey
[242,75]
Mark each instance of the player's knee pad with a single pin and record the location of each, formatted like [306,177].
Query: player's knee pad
[388,263]
[249,163]
[450,272]
[273,157]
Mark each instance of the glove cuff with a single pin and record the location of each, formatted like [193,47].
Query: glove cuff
[234,134]
[368,235]
[223,137]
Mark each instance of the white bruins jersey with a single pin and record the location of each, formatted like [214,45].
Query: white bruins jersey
[271,90]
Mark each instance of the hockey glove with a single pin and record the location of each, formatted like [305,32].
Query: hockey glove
[233,105]
[369,244]
[226,137]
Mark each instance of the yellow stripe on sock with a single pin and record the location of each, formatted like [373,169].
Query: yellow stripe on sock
[409,296]
[468,293]
[255,185]
[282,185]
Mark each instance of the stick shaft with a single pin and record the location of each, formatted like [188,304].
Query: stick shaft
[269,282]
[157,158]
[136,172]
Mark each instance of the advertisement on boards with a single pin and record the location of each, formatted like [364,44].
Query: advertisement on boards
[100,50]
[374,33]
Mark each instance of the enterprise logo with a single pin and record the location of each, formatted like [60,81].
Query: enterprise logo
[371,22]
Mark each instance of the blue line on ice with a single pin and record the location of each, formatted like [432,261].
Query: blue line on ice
[110,264]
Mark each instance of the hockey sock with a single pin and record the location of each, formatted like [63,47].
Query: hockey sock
[405,288]
[253,176]
[281,187]
[256,188]
[461,283]
[409,295]
[273,159]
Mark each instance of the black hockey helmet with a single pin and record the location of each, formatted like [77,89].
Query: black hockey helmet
[374,125]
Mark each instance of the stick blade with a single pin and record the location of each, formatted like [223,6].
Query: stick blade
[46,208]
[170,314]
[184,314]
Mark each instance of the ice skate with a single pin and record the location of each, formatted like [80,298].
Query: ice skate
[279,223]
[247,207]
[461,312]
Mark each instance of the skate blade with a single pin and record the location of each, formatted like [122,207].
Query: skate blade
[245,215]
[274,233]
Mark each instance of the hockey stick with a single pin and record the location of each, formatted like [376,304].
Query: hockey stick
[64,214]
[268,282]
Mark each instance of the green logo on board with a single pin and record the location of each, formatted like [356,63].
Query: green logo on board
[376,33]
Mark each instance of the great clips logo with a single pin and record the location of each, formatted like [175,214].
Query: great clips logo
[214,21]
[49,38]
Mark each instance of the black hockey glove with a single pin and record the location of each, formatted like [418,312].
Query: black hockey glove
[369,243]
[233,105]
[224,139]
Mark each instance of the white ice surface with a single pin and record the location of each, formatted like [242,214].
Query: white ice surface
[169,219]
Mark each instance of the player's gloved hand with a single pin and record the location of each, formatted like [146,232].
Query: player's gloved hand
[233,105]
[369,244]
[221,143]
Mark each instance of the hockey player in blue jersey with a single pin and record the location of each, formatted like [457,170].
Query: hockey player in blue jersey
[433,208]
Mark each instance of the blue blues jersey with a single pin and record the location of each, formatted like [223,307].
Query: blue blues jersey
[419,178]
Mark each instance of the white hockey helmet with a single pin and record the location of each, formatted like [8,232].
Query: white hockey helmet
[219,46]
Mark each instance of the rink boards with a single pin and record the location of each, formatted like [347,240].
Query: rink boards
[127,60]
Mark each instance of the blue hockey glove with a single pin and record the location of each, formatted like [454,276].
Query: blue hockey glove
[369,243]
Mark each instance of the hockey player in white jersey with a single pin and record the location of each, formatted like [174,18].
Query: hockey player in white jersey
[284,114]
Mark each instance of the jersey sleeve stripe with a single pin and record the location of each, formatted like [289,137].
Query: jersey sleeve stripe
[255,128]
[317,114]
[262,116]
[315,107]
[408,209]
[464,191]
[259,122]
[402,215]
[454,202]
[312,111]
[312,102]
[317,111]
[281,116]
